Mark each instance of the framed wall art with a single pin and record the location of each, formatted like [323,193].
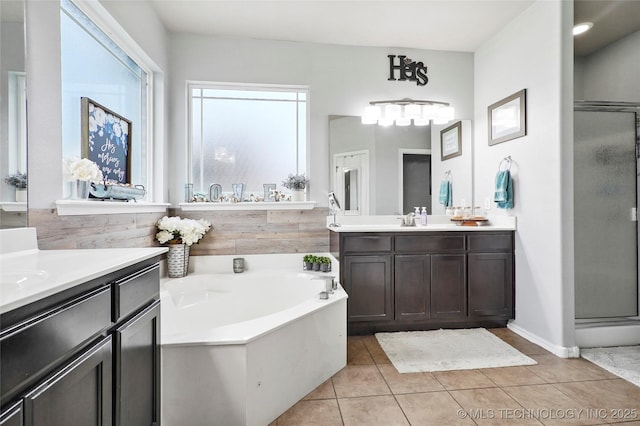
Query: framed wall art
[507,118]
[451,141]
[106,140]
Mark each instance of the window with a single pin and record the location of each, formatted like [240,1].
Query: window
[94,66]
[250,135]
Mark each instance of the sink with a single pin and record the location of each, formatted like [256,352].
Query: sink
[23,277]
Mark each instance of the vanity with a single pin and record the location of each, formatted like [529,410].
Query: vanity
[426,277]
[79,335]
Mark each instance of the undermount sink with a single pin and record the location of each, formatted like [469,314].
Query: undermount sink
[23,277]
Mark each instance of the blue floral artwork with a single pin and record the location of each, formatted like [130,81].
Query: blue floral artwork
[107,140]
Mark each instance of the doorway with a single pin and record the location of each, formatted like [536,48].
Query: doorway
[605,211]
[415,179]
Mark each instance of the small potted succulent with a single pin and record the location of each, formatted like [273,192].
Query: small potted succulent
[308,260]
[325,263]
[19,181]
[297,184]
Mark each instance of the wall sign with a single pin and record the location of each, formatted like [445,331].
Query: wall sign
[106,140]
[407,70]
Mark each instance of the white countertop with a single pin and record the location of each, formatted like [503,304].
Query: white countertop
[435,223]
[30,275]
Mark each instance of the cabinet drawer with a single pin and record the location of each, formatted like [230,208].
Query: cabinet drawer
[428,243]
[367,244]
[30,349]
[490,242]
[135,291]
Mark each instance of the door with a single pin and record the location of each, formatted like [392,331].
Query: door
[416,182]
[448,286]
[351,181]
[490,282]
[412,275]
[368,283]
[605,197]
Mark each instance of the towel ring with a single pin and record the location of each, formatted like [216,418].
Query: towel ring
[447,175]
[508,161]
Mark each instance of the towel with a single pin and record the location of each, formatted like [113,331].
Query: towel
[446,197]
[503,194]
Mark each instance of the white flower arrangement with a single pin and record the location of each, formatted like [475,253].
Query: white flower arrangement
[175,230]
[81,169]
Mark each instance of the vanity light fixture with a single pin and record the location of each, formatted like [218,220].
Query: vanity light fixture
[582,28]
[401,111]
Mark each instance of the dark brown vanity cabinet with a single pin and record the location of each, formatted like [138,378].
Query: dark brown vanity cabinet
[86,356]
[423,280]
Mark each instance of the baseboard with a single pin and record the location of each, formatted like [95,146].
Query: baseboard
[560,351]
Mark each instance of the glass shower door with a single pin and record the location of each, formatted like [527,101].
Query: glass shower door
[605,197]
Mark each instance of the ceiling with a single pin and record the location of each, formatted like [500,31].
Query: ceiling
[457,25]
[612,20]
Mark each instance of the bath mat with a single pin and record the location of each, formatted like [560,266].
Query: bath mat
[623,361]
[443,350]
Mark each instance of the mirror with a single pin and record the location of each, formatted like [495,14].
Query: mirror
[377,170]
[13,115]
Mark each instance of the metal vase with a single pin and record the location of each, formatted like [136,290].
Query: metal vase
[178,260]
[78,189]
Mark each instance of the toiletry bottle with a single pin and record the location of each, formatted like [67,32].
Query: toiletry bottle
[423,216]
[416,212]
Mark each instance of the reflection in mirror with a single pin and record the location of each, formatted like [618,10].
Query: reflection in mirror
[383,157]
[13,116]
[351,190]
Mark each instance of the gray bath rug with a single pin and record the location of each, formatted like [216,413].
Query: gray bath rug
[443,350]
[623,361]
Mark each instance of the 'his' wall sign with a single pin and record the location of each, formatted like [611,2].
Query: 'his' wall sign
[106,140]
[408,70]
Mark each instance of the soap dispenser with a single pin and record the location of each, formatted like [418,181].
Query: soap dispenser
[423,216]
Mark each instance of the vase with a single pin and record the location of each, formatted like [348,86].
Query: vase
[178,260]
[297,195]
[21,195]
[78,189]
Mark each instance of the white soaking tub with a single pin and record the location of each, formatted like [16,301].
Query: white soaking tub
[240,349]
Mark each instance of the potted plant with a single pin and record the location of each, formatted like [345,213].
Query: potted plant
[308,260]
[297,184]
[325,263]
[19,181]
[179,234]
[79,173]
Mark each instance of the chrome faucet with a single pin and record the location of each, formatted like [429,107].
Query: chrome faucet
[409,220]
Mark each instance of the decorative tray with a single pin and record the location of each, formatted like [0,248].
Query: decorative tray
[110,191]
[470,221]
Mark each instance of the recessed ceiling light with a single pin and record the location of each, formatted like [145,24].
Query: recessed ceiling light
[582,28]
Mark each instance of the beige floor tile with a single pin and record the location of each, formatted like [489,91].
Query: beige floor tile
[463,379]
[377,353]
[324,391]
[608,395]
[357,353]
[371,411]
[559,370]
[433,408]
[512,376]
[359,380]
[550,406]
[491,406]
[408,382]
[518,342]
[320,412]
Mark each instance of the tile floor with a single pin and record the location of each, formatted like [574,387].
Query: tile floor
[369,392]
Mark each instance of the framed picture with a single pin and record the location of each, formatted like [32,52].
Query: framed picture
[451,141]
[106,140]
[507,118]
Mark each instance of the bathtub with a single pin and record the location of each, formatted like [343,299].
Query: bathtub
[240,349]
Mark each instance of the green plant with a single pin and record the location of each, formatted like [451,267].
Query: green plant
[324,259]
[295,181]
[19,180]
[308,258]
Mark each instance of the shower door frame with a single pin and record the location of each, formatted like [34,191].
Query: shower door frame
[625,107]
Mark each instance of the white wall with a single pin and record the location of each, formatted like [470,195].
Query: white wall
[530,52]
[342,81]
[44,86]
[611,73]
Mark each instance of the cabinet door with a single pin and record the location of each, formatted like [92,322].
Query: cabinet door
[12,416]
[412,277]
[78,394]
[367,280]
[137,369]
[491,284]
[448,286]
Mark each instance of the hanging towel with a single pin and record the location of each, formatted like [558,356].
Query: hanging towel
[503,194]
[445,196]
